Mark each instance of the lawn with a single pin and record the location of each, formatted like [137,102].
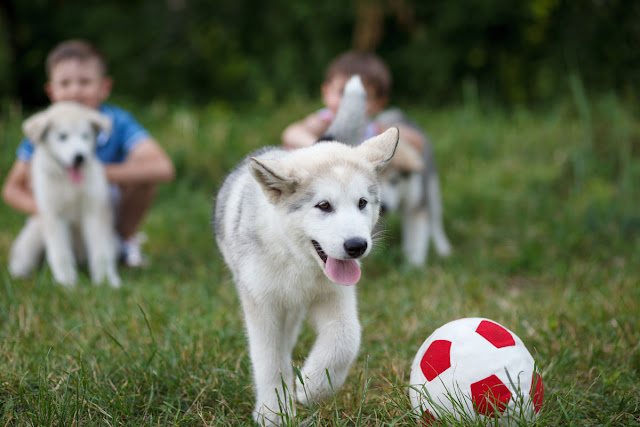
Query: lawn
[541,207]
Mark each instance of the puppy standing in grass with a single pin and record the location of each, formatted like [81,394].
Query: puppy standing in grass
[72,195]
[292,226]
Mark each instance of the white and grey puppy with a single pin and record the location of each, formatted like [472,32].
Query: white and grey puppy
[410,183]
[75,216]
[292,226]
[416,195]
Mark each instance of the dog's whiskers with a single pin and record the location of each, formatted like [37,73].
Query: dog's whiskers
[379,241]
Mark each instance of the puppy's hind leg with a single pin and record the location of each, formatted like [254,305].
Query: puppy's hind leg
[335,320]
[57,239]
[27,249]
[100,241]
[434,199]
[415,234]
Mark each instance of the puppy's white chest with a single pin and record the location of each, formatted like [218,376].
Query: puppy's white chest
[57,195]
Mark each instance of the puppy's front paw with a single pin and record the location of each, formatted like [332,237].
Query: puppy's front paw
[114,281]
[443,247]
[19,269]
[303,395]
[312,390]
[67,279]
[64,271]
[265,416]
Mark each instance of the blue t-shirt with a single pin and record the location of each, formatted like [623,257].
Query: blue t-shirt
[112,147]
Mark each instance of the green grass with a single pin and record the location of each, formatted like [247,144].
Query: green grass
[541,209]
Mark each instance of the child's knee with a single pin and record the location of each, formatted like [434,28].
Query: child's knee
[138,189]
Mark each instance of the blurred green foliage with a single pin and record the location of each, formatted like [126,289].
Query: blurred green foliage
[247,51]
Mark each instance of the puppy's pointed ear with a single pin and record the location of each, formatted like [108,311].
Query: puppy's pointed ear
[35,127]
[99,122]
[381,148]
[274,185]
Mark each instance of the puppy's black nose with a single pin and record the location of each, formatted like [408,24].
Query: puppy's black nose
[78,160]
[355,246]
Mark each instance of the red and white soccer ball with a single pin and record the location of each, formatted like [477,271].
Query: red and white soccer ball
[472,368]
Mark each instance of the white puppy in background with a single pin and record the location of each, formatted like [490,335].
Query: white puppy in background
[75,216]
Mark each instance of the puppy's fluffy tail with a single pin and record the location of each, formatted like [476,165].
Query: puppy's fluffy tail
[350,122]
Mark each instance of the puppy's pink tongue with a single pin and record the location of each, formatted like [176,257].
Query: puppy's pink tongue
[75,175]
[346,273]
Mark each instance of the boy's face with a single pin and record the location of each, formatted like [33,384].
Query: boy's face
[332,94]
[78,80]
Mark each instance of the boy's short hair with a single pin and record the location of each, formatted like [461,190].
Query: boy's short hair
[373,71]
[75,49]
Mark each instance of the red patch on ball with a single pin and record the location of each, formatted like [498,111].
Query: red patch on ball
[490,394]
[428,419]
[536,394]
[436,359]
[495,334]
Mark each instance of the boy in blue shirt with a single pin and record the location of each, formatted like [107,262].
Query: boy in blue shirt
[134,162]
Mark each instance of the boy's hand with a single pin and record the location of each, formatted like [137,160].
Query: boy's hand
[146,163]
[305,132]
[406,157]
[17,192]
[412,136]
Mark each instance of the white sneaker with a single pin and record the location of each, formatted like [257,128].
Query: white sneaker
[131,252]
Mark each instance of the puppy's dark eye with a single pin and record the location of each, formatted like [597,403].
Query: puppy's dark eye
[362,203]
[324,206]
[62,136]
